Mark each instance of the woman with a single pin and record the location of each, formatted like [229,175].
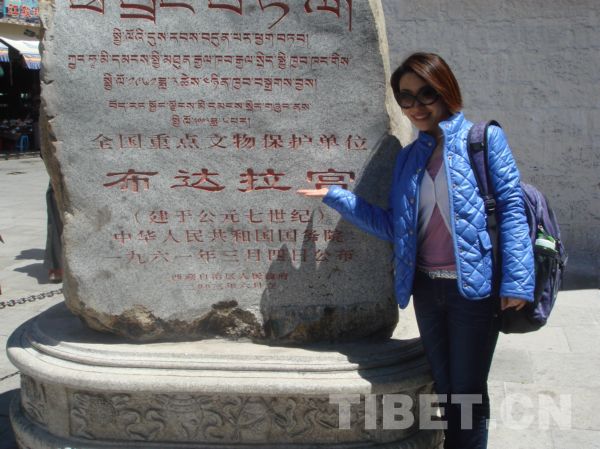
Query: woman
[442,251]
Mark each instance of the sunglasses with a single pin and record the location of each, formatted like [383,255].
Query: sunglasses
[425,96]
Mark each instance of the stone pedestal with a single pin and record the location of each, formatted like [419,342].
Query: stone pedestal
[84,389]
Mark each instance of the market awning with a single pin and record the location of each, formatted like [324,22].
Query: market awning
[3,53]
[28,49]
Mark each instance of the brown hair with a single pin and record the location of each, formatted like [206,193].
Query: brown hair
[434,70]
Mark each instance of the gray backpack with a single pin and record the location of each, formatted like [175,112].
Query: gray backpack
[549,253]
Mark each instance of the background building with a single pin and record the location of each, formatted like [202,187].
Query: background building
[533,66]
[19,75]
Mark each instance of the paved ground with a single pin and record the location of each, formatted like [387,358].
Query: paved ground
[545,386]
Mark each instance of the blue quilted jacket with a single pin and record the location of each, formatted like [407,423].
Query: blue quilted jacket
[472,245]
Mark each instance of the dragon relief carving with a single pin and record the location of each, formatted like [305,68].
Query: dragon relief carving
[216,418]
[95,416]
[205,418]
[33,400]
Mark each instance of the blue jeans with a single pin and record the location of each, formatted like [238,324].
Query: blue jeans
[459,337]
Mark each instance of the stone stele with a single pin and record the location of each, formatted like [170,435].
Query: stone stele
[177,136]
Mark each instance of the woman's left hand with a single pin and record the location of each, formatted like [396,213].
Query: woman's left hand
[507,303]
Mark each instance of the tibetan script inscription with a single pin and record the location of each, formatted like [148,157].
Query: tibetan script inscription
[148,9]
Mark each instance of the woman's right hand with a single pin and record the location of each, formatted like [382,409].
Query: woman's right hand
[313,193]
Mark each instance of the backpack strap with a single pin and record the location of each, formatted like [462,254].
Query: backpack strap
[477,148]
[478,155]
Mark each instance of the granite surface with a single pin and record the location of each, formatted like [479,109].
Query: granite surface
[177,136]
[81,388]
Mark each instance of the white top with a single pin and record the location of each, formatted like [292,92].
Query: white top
[434,191]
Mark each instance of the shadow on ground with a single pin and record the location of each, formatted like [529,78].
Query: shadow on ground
[31,254]
[7,438]
[35,270]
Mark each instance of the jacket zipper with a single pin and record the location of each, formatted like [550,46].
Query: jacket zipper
[452,217]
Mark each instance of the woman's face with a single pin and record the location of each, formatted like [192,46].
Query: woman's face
[425,117]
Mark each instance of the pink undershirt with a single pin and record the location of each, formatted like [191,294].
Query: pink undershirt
[436,251]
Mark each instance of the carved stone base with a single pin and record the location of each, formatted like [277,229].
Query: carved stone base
[83,389]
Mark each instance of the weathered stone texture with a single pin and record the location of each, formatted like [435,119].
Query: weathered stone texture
[178,136]
[80,388]
[533,66]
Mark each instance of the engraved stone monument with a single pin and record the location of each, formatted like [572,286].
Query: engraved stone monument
[181,133]
[209,305]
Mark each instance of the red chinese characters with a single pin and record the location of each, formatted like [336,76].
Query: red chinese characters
[203,181]
[206,180]
[236,141]
[131,180]
[330,177]
[236,236]
[247,217]
[234,257]
[268,180]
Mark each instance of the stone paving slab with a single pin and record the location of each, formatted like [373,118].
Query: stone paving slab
[567,369]
[584,439]
[23,183]
[575,298]
[572,314]
[504,438]
[553,339]
[573,407]
[583,339]
[511,365]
